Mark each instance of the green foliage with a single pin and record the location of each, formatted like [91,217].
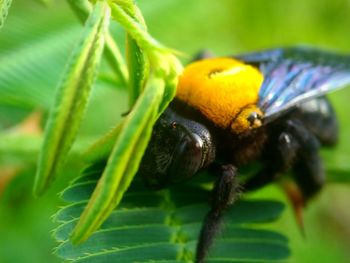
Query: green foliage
[32,58]
[123,162]
[4,9]
[163,226]
[34,46]
[82,8]
[72,98]
[135,130]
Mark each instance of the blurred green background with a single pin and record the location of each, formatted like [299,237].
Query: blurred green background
[35,43]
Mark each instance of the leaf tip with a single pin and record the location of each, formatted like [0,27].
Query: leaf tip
[40,186]
[42,181]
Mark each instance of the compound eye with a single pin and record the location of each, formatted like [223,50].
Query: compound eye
[187,156]
[178,148]
[254,119]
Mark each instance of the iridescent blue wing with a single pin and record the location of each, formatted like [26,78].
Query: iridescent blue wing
[295,75]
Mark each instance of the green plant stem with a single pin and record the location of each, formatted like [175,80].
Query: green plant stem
[134,28]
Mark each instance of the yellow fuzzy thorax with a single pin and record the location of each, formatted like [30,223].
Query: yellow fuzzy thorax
[220,88]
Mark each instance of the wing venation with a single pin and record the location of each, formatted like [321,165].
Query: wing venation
[295,75]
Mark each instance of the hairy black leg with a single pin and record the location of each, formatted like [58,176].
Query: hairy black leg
[224,193]
[297,148]
[279,155]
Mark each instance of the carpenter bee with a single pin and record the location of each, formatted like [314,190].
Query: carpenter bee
[266,106]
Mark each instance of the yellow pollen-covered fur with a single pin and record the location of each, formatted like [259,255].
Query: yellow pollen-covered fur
[220,88]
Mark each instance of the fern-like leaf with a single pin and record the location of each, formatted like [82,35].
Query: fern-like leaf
[162,226]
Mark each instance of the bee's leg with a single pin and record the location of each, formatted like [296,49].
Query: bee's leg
[224,193]
[279,155]
[297,148]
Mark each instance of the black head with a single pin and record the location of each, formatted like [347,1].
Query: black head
[179,147]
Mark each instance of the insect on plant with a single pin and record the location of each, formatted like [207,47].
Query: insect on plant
[267,106]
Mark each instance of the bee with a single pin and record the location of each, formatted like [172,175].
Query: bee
[228,112]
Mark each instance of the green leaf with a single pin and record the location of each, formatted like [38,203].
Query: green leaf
[101,149]
[130,145]
[138,67]
[115,59]
[31,58]
[162,62]
[82,8]
[162,226]
[338,175]
[4,9]
[123,162]
[337,166]
[138,64]
[44,2]
[72,97]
